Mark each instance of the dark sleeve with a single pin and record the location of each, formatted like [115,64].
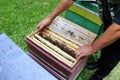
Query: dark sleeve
[117,15]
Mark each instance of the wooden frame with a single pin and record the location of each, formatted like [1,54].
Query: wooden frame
[51,55]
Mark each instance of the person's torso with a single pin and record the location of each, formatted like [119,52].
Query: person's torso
[112,6]
[114,1]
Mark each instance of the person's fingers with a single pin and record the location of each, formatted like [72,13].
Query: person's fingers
[40,26]
[77,53]
[80,56]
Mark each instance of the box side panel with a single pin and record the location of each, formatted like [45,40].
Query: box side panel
[48,59]
[53,66]
[78,68]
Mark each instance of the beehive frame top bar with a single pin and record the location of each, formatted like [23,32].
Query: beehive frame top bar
[72,31]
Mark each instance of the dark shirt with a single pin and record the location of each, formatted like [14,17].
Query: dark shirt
[114,10]
[117,15]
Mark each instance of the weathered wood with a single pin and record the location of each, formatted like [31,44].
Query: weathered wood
[53,53]
[72,32]
[55,48]
[61,38]
[60,43]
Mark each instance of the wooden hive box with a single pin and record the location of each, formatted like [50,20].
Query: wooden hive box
[85,14]
[54,47]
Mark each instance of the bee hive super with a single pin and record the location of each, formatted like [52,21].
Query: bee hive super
[55,47]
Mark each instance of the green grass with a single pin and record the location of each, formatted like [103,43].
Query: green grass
[18,18]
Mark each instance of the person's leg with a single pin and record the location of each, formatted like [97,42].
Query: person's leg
[110,56]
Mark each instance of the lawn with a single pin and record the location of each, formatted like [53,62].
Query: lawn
[18,18]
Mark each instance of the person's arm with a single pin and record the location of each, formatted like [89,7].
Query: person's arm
[109,36]
[62,6]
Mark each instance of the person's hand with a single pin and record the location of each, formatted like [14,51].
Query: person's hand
[84,51]
[44,23]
